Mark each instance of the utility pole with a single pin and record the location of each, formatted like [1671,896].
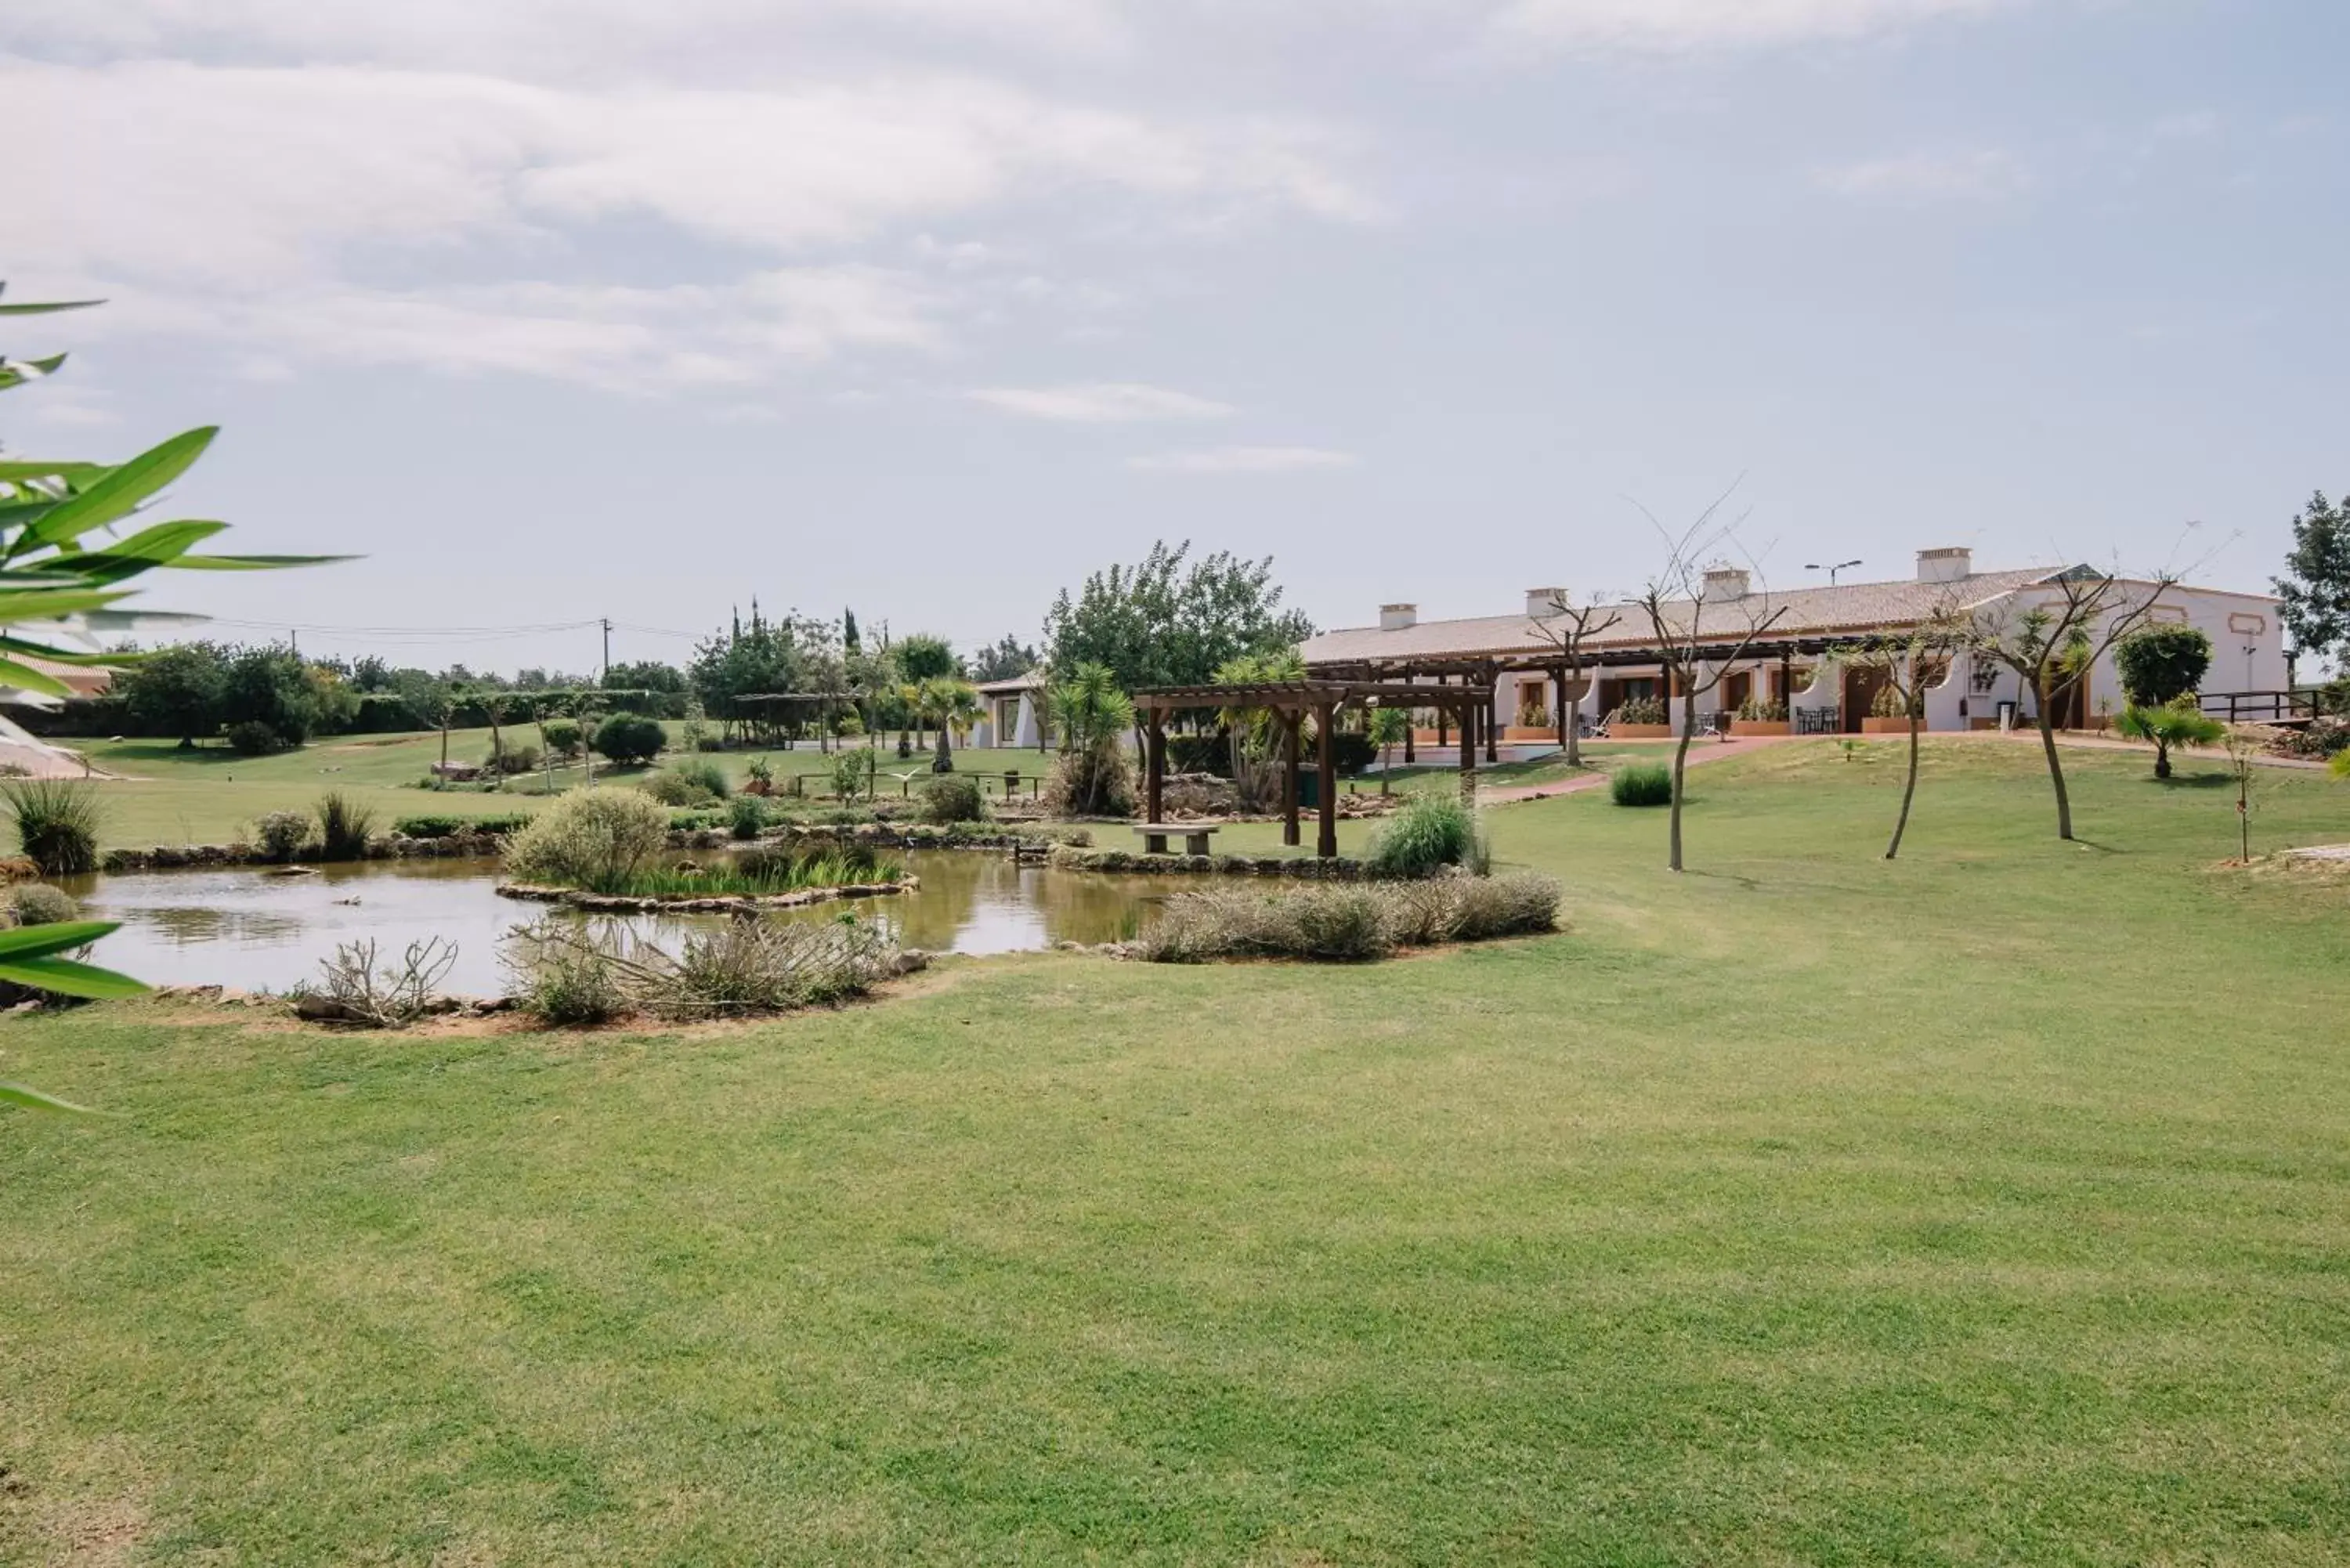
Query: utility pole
[608,649]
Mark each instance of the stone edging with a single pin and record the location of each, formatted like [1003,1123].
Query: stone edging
[729,903]
[392,847]
[1295,867]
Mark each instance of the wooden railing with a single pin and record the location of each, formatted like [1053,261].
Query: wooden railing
[2260,707]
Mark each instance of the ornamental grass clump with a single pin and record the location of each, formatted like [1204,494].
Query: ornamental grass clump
[746,816]
[591,838]
[57,822]
[38,904]
[1430,832]
[343,826]
[1348,922]
[1641,783]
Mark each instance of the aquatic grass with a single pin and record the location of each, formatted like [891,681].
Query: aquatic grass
[761,873]
[344,826]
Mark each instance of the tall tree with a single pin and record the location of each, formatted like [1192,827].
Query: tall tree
[175,692]
[1569,628]
[1003,659]
[1167,620]
[2315,588]
[923,656]
[2050,634]
[849,641]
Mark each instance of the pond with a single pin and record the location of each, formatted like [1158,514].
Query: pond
[243,928]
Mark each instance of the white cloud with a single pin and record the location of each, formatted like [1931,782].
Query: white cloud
[430,161]
[1246,459]
[646,339]
[1985,175]
[1098,403]
[1686,24]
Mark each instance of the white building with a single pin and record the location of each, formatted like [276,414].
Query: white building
[1792,660]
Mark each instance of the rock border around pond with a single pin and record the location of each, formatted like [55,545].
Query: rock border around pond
[691,903]
[1293,868]
[393,846]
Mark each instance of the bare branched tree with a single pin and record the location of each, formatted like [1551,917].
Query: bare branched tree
[2052,634]
[1705,618]
[1570,627]
[1910,663]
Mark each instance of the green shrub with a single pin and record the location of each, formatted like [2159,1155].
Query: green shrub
[437,826]
[57,822]
[282,834]
[589,838]
[1641,783]
[343,826]
[625,739]
[512,757]
[252,738]
[953,797]
[38,904]
[1642,710]
[705,775]
[747,817]
[2161,662]
[1431,831]
[760,771]
[564,737]
[851,773]
[1763,710]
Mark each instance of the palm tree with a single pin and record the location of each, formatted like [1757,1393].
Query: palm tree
[2178,722]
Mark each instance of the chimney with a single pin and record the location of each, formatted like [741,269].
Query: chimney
[1542,603]
[1395,618]
[1726,583]
[1951,564]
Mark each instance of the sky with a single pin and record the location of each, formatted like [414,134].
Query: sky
[561,311]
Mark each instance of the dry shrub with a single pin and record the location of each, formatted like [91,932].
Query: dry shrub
[1093,781]
[356,989]
[568,974]
[1350,922]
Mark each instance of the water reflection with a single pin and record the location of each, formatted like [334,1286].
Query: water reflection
[245,928]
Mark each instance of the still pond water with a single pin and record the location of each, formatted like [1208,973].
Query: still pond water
[239,927]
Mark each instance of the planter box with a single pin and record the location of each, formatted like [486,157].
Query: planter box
[1761,727]
[1530,734]
[1873,725]
[1640,732]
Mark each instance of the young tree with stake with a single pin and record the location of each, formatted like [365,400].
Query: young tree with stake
[1570,629]
[1704,618]
[1909,664]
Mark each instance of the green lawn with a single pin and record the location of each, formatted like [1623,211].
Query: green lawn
[1989,1206]
[167,796]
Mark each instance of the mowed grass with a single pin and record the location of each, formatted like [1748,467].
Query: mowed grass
[1989,1206]
[207,795]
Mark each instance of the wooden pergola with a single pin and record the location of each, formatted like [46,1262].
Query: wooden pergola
[1289,701]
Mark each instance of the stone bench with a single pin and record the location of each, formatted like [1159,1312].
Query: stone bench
[1155,836]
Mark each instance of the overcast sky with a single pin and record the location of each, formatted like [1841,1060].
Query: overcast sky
[557,309]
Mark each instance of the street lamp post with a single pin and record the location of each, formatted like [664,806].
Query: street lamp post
[1831,571]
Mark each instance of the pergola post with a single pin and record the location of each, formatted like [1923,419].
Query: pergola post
[1443,710]
[1467,764]
[1155,762]
[1410,721]
[1485,717]
[1326,843]
[1289,720]
[1787,678]
[1558,707]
